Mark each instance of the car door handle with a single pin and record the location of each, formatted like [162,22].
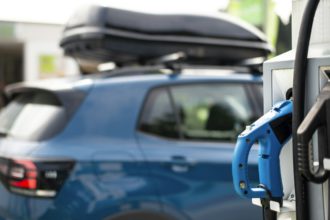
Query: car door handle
[179,164]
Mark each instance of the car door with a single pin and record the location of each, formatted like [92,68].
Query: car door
[187,133]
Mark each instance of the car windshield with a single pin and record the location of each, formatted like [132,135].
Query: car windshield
[32,116]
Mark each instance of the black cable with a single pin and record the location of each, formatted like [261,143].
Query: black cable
[267,213]
[300,72]
[328,200]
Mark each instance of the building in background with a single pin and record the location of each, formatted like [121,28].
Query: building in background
[30,51]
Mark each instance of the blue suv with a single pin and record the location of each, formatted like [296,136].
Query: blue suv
[154,146]
[150,140]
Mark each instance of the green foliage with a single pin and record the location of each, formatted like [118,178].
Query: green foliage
[248,10]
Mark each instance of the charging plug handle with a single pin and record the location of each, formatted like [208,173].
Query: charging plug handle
[317,119]
[271,131]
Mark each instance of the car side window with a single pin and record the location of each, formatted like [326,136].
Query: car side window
[158,116]
[213,112]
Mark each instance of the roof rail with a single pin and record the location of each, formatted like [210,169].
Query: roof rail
[135,70]
[175,63]
[178,69]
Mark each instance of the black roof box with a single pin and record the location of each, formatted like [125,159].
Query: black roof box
[103,34]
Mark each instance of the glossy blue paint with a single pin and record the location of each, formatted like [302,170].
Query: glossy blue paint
[119,170]
[263,131]
[194,178]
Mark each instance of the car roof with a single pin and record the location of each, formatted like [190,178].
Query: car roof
[84,83]
[184,76]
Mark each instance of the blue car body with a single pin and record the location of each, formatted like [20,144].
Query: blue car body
[121,173]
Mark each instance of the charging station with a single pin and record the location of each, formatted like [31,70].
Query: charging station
[301,76]
[278,79]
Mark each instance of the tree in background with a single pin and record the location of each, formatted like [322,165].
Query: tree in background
[270,16]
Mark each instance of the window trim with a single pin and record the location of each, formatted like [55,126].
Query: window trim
[251,90]
[178,120]
[259,101]
[145,103]
[167,87]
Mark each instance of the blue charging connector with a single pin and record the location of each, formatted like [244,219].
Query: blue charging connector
[271,131]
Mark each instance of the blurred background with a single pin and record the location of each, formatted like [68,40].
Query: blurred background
[30,30]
